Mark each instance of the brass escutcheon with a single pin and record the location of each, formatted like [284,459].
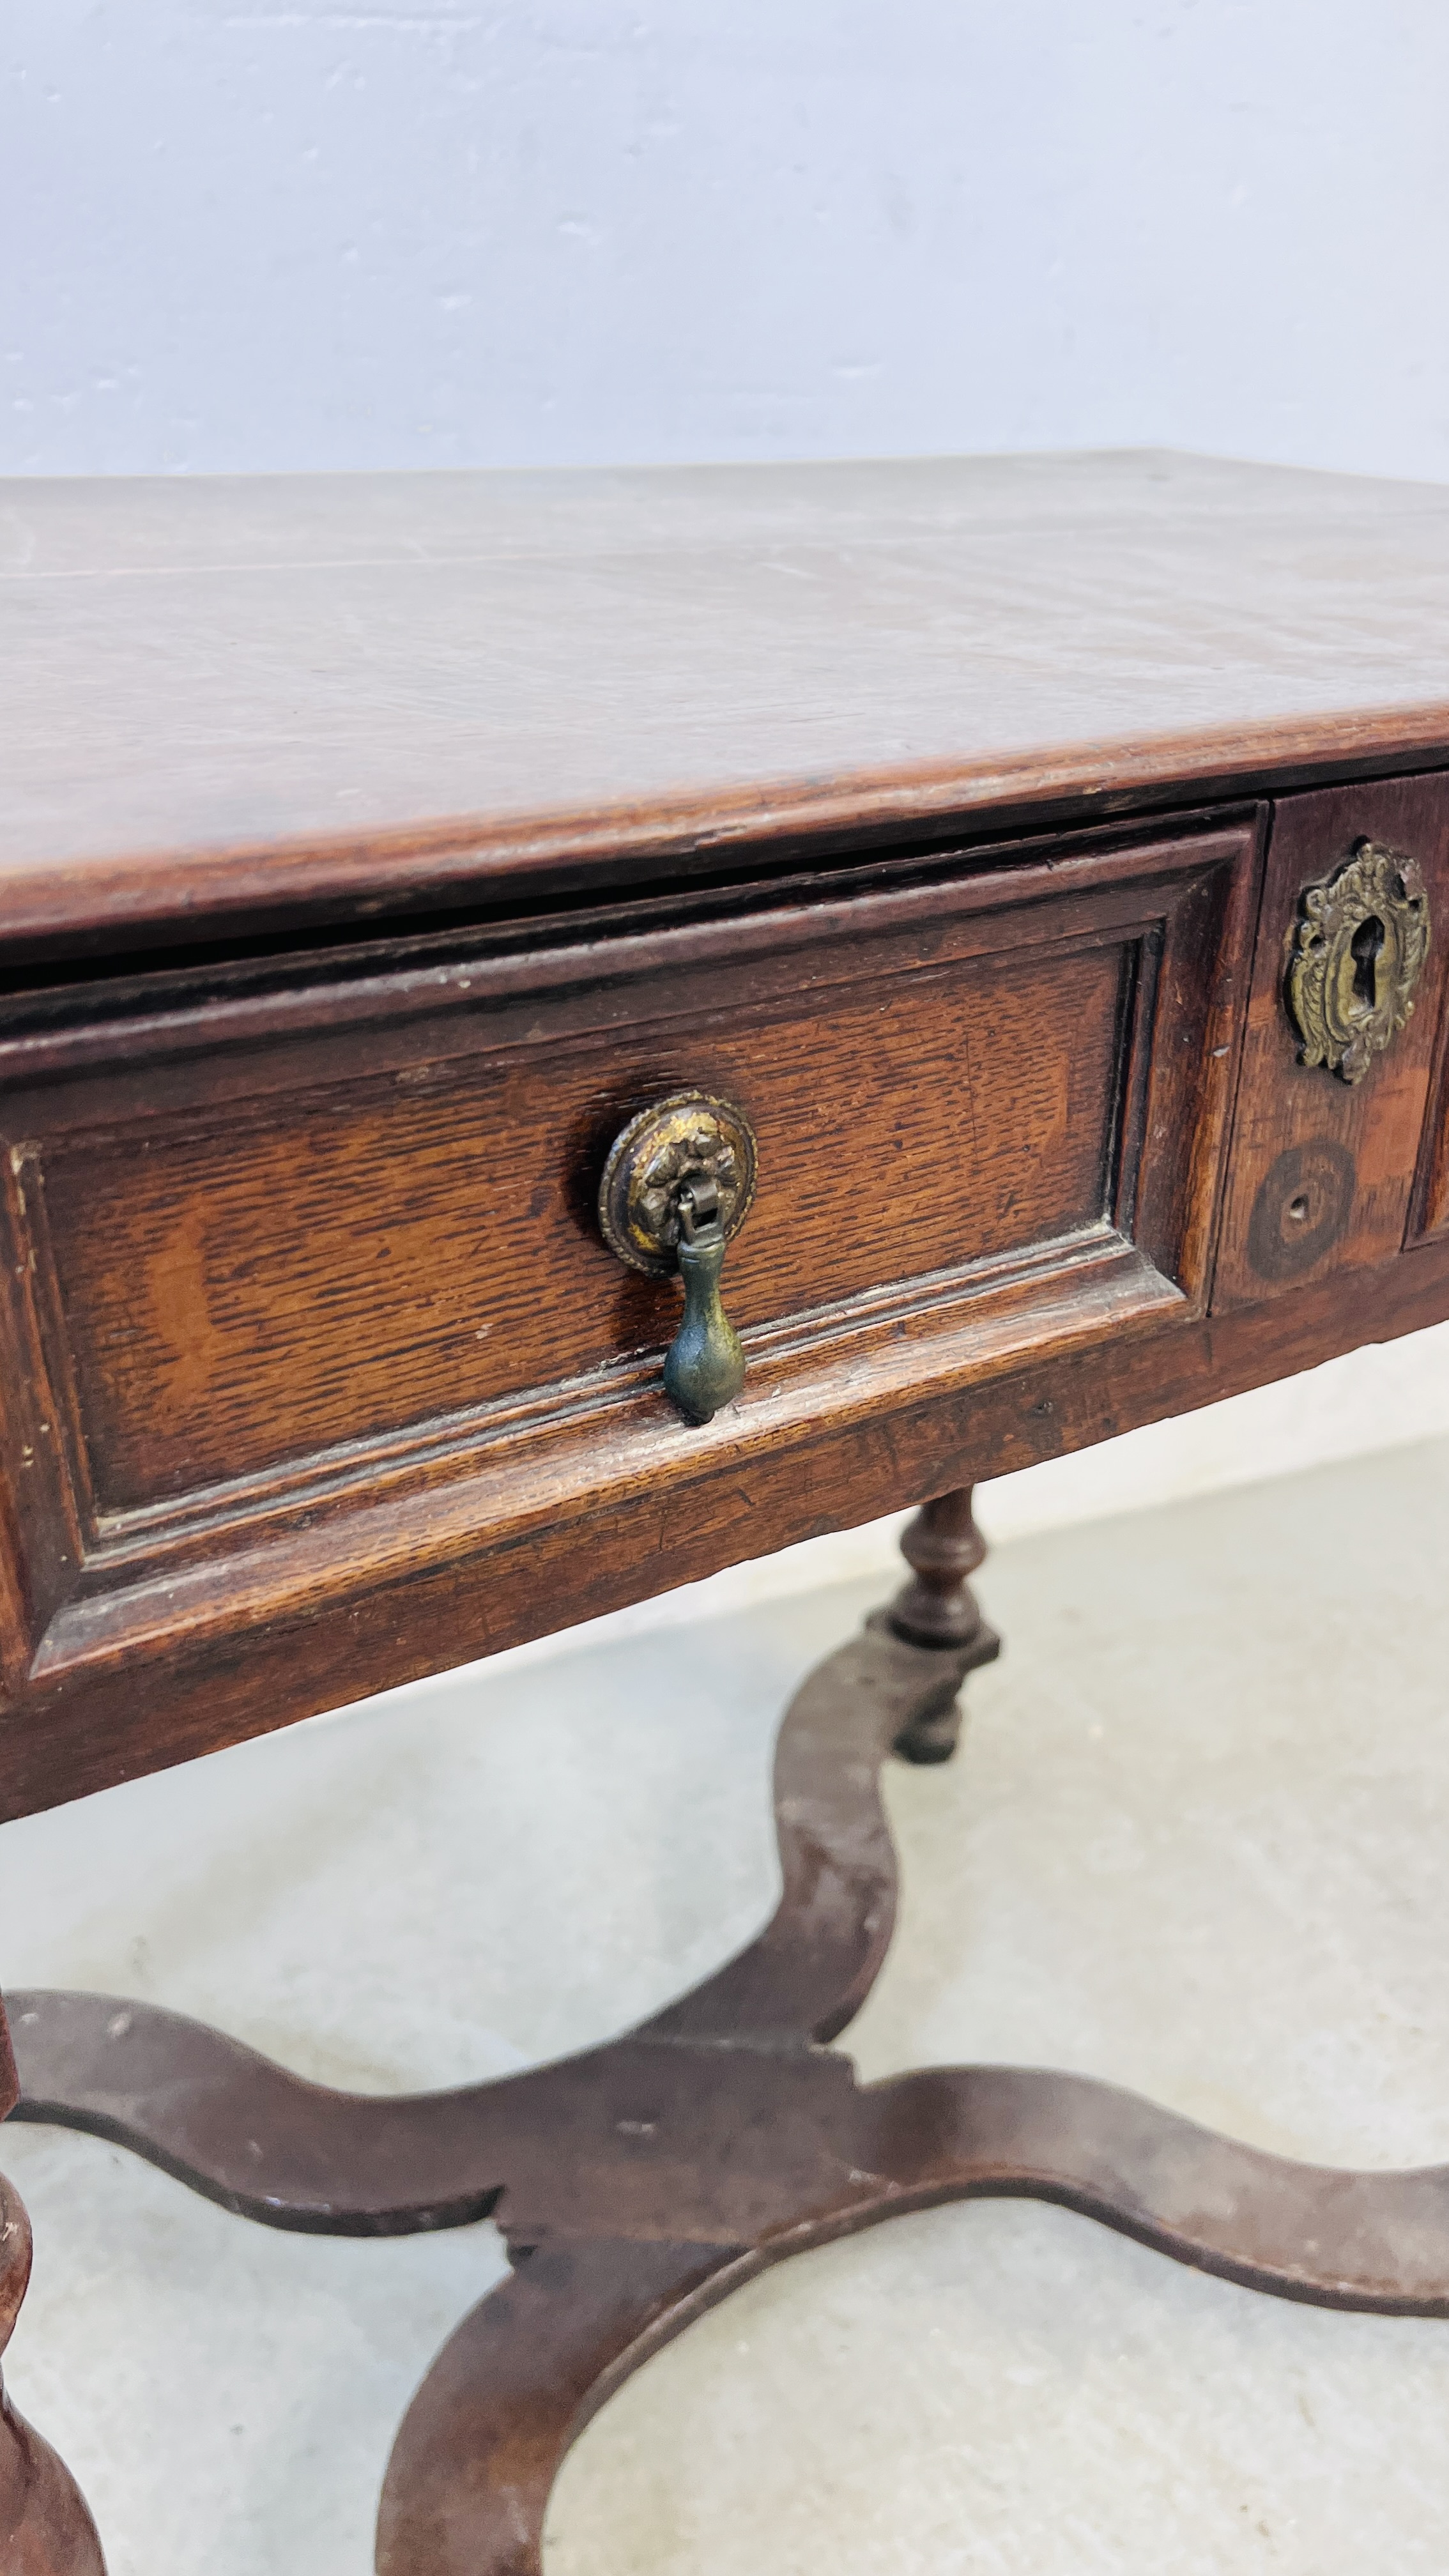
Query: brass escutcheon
[677,1185]
[1355,955]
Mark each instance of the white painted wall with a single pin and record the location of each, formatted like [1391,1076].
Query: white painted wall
[254,234]
[266,233]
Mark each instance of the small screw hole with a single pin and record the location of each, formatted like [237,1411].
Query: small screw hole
[1298,1207]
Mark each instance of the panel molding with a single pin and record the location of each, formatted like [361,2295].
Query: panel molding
[304,1536]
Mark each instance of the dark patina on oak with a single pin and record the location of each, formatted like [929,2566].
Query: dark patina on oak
[641,2182]
[959,823]
[45,2529]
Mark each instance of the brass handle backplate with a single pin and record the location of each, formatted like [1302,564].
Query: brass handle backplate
[1355,954]
[677,1184]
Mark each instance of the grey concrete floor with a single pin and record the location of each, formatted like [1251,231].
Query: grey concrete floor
[1193,1843]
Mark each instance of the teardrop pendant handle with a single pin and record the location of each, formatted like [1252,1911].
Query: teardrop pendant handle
[677,1185]
[704,1366]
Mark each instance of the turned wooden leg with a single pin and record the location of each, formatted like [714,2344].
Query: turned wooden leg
[45,2529]
[942,1546]
[640,2182]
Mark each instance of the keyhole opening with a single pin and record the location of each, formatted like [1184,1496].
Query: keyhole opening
[1366,946]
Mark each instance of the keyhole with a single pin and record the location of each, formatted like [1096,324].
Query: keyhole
[1366,945]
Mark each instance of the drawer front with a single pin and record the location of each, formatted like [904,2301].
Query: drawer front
[335,1261]
[1328,1172]
[307,1284]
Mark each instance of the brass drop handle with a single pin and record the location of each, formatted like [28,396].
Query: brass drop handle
[677,1185]
[704,1366]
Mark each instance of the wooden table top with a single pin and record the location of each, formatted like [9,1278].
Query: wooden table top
[319,1372]
[316,697]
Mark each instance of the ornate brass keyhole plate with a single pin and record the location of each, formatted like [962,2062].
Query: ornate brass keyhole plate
[1355,955]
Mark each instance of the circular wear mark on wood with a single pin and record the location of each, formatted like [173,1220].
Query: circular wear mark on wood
[1302,1207]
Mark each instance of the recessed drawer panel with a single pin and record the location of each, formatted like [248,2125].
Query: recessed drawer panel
[321,1250]
[337,1262]
[1348,985]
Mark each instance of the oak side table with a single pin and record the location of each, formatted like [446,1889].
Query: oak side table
[563,1030]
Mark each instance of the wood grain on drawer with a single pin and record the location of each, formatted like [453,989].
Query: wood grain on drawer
[1322,1171]
[306,1275]
[339,1262]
